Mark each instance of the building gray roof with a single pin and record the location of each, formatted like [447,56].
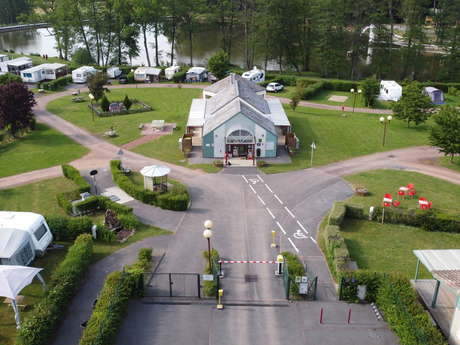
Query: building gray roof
[233,79]
[231,109]
[235,87]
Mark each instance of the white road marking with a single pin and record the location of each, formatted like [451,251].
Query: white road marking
[279,226]
[289,239]
[268,187]
[253,180]
[271,214]
[276,196]
[313,240]
[253,189]
[244,178]
[300,235]
[289,211]
[260,178]
[263,202]
[302,227]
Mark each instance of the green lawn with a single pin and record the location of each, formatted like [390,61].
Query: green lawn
[36,60]
[42,148]
[446,163]
[444,195]
[169,104]
[388,247]
[338,138]
[40,197]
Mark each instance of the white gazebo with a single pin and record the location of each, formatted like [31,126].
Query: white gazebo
[156,177]
[12,280]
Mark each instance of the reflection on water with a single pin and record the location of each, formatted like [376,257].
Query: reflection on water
[205,44]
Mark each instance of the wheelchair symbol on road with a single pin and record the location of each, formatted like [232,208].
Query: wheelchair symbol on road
[253,180]
[300,235]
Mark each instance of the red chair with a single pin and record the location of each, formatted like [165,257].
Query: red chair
[429,204]
[401,193]
[412,193]
[386,204]
[410,186]
[396,203]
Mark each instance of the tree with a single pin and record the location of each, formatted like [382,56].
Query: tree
[127,102]
[96,84]
[295,99]
[414,105]
[219,64]
[370,88]
[446,133]
[82,57]
[105,103]
[16,103]
[9,78]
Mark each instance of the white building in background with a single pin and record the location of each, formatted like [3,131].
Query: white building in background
[390,91]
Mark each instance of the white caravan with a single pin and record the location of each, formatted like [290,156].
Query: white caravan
[390,91]
[80,75]
[256,75]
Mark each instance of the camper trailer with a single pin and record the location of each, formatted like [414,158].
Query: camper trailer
[170,71]
[80,75]
[113,72]
[16,247]
[390,91]
[33,75]
[15,66]
[3,58]
[436,95]
[196,74]
[46,71]
[256,75]
[147,74]
[32,223]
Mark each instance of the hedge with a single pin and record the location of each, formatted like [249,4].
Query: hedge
[73,174]
[337,214]
[57,84]
[66,229]
[176,199]
[179,77]
[349,281]
[39,327]
[113,299]
[295,269]
[210,286]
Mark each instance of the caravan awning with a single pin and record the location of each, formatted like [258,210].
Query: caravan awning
[15,278]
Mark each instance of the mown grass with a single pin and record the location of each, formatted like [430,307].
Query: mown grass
[339,138]
[444,195]
[40,197]
[42,148]
[454,165]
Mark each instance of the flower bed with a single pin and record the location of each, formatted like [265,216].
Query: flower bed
[139,107]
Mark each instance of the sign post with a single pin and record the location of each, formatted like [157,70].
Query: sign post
[313,148]
[93,174]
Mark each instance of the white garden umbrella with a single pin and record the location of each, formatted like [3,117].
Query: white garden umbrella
[15,278]
[155,171]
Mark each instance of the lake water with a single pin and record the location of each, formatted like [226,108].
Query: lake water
[205,44]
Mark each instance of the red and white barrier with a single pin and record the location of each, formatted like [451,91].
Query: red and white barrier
[246,262]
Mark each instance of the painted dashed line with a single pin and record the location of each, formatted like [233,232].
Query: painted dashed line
[263,202]
[289,211]
[271,214]
[292,243]
[281,228]
[244,178]
[253,189]
[260,178]
[302,227]
[314,241]
[268,187]
[279,200]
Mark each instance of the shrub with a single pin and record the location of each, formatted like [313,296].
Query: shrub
[337,214]
[127,102]
[73,174]
[210,287]
[312,90]
[179,77]
[218,163]
[295,268]
[39,327]
[105,103]
[66,229]
[261,163]
[349,281]
[130,77]
[57,84]
[340,85]
[354,211]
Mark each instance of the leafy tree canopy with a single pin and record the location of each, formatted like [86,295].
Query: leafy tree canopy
[96,84]
[219,64]
[414,106]
[446,133]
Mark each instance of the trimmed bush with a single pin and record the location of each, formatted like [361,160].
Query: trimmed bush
[337,214]
[210,287]
[179,77]
[312,90]
[66,229]
[40,326]
[57,84]
[349,282]
[295,268]
[354,211]
[73,174]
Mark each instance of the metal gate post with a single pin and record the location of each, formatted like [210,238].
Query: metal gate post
[218,286]
[170,285]
[198,285]
[316,285]
[288,288]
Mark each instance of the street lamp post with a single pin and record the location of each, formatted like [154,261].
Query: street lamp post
[207,233]
[385,121]
[358,91]
[91,97]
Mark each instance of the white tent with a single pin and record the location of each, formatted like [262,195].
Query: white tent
[16,247]
[156,177]
[15,278]
[390,91]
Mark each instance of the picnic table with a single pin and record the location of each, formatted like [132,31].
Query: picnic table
[158,125]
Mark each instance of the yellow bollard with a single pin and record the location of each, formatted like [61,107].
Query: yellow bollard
[273,244]
[220,305]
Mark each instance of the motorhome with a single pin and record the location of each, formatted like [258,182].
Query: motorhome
[255,75]
[80,75]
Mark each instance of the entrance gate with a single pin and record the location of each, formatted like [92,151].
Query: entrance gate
[172,285]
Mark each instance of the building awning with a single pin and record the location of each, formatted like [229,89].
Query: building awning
[196,114]
[443,264]
[277,113]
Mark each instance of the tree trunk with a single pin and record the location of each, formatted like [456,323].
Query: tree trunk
[173,37]
[157,61]
[190,36]
[144,33]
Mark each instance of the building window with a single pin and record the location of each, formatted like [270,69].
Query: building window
[40,232]
[240,136]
